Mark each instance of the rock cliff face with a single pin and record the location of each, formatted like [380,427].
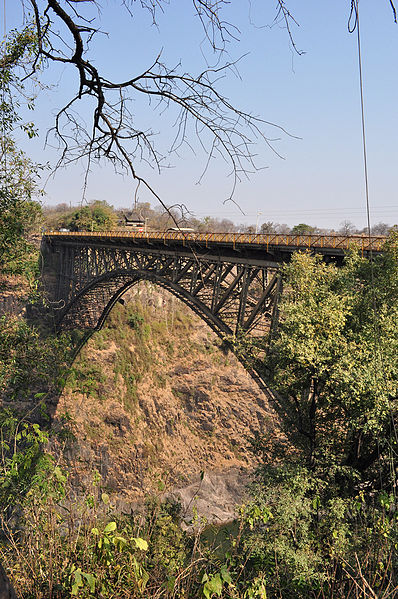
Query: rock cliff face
[156,406]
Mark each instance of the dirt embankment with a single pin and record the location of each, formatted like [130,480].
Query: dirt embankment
[156,405]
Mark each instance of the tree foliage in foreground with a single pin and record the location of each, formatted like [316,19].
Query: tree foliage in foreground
[334,364]
[322,522]
[330,481]
[19,212]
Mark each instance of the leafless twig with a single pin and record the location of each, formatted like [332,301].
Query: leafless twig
[221,128]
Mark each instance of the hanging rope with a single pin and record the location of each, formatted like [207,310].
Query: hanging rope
[353,25]
[394,12]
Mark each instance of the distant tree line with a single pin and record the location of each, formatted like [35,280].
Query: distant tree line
[101,216]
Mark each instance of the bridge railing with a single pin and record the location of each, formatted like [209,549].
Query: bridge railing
[342,242]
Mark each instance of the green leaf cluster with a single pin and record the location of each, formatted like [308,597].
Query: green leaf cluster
[96,216]
[334,362]
[20,214]
[30,363]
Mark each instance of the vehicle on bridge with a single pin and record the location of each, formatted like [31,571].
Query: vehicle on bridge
[182,229]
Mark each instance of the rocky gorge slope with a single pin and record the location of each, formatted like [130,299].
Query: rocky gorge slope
[156,405]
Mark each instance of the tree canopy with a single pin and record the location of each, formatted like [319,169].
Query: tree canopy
[326,486]
[96,216]
[19,212]
[334,364]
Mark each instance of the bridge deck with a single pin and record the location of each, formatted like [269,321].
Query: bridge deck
[282,245]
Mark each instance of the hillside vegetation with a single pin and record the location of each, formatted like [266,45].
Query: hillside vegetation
[101,216]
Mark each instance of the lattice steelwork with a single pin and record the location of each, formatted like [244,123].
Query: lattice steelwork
[363,243]
[233,298]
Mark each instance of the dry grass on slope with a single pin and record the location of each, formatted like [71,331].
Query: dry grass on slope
[153,400]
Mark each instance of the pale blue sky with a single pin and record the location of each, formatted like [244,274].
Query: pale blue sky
[314,96]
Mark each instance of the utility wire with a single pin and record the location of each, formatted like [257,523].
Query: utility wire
[353,25]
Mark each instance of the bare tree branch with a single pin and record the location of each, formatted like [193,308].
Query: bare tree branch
[221,128]
[285,16]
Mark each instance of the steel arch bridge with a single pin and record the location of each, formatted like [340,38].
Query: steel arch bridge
[231,281]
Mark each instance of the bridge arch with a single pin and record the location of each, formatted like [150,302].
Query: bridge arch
[76,311]
[236,294]
[125,280]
